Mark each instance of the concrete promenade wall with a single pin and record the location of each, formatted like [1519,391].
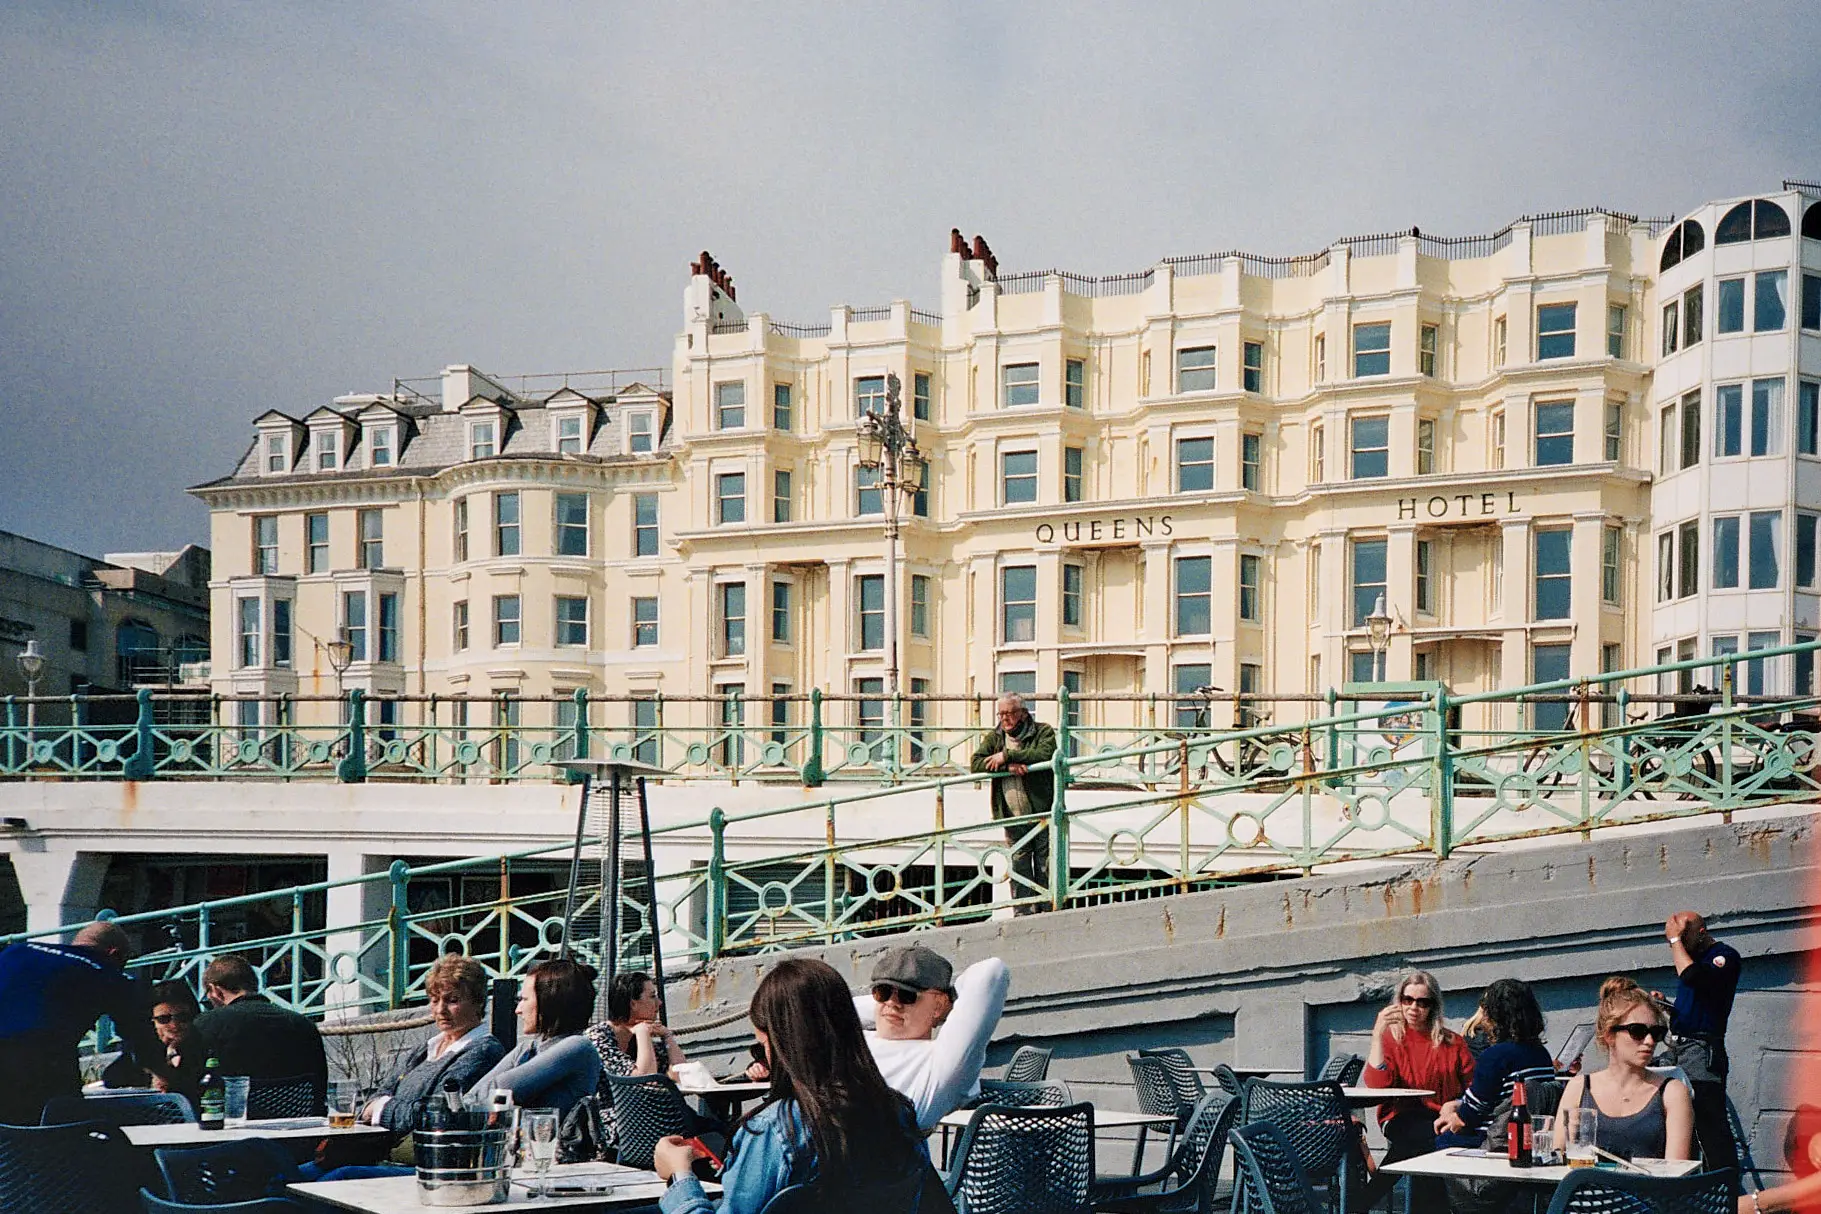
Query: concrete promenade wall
[1282,974]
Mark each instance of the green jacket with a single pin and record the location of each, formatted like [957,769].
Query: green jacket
[1036,745]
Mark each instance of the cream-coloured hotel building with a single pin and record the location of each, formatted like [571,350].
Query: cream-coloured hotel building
[1583,443]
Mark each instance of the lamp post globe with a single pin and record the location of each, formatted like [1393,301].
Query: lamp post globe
[1378,634]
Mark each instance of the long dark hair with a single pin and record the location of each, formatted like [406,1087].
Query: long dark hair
[1511,1011]
[819,1058]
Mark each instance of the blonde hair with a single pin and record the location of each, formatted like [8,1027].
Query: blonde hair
[1618,995]
[1437,1032]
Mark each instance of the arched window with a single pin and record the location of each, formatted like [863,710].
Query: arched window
[1735,226]
[1768,220]
[1685,240]
[1811,221]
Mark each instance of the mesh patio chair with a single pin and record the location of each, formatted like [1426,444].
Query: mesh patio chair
[68,1169]
[1228,1080]
[1187,1183]
[1344,1069]
[119,1108]
[1025,1161]
[1315,1120]
[890,1198]
[241,1170]
[1049,1093]
[1741,1143]
[1597,1191]
[151,1203]
[1029,1064]
[645,1109]
[1188,1084]
[1157,1095]
[292,1096]
[1268,1178]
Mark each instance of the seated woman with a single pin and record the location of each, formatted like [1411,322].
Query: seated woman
[632,1040]
[829,1118]
[554,1065]
[1412,1048]
[1641,1115]
[1514,1026]
[174,1012]
[462,1049]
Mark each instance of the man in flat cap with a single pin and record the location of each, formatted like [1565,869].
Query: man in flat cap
[914,990]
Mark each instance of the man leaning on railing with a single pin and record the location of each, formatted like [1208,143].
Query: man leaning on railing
[1019,743]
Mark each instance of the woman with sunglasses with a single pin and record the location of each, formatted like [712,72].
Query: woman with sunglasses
[1412,1048]
[174,1012]
[1641,1115]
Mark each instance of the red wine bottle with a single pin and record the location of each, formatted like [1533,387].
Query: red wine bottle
[1518,1151]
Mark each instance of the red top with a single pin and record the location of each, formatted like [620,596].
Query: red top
[1417,1062]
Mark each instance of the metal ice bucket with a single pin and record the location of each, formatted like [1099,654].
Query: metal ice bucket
[463,1167]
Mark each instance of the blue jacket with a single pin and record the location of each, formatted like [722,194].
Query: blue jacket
[772,1150]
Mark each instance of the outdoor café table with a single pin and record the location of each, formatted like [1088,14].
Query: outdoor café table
[189,1134]
[1247,1072]
[1104,1119]
[1469,1164]
[1365,1098]
[398,1194]
[725,1099]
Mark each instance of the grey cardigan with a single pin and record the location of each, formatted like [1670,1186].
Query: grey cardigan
[424,1077]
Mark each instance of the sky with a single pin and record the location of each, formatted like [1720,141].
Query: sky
[212,209]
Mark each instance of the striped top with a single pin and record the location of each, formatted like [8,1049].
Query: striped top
[1495,1073]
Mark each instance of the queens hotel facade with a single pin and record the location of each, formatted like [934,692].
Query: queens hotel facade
[1582,443]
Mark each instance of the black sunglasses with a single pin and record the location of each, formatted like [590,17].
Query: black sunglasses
[1637,1032]
[1416,1000]
[174,1017]
[886,993]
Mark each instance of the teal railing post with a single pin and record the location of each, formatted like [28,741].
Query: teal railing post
[1729,673]
[581,732]
[353,766]
[1622,767]
[13,761]
[813,771]
[398,976]
[1334,760]
[138,765]
[1059,808]
[717,882]
[1441,803]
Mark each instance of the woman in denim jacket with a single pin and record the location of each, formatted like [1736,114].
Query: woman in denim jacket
[829,1119]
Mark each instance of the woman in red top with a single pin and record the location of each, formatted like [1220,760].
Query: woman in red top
[1412,1048]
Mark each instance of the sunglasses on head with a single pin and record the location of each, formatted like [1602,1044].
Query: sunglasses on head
[886,993]
[1416,1000]
[1637,1032]
[173,1018]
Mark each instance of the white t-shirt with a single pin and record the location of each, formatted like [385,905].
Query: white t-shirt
[942,1073]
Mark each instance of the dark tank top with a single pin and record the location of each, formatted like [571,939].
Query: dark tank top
[1642,1135]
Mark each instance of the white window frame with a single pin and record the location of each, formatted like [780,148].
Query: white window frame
[1019,380]
[483,439]
[564,420]
[382,438]
[641,431]
[1197,369]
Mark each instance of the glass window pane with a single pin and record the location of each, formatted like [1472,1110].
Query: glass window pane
[1555,331]
[1729,419]
[1368,578]
[1193,592]
[1195,369]
[1730,315]
[1767,417]
[1555,434]
[1194,465]
[1765,558]
[1770,305]
[1726,552]
[1371,447]
[1021,384]
[1372,349]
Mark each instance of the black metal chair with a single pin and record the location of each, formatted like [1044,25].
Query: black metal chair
[151,1203]
[1187,1183]
[1741,1143]
[119,1108]
[292,1096]
[1051,1093]
[1344,1069]
[1269,1179]
[68,1169]
[1597,1191]
[1228,1080]
[1158,1096]
[1029,1064]
[1025,1161]
[1315,1120]
[1188,1084]
[221,1173]
[645,1109]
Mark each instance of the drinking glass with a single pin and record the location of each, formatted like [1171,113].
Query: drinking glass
[1583,1132]
[234,1091]
[344,1103]
[1542,1139]
[538,1131]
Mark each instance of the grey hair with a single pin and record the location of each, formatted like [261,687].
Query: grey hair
[1012,699]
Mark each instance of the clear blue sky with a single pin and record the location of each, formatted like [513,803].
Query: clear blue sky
[211,209]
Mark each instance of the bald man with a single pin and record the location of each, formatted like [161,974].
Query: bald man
[50,996]
[1019,743]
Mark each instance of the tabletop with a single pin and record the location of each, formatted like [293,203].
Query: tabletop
[1364,1097]
[1249,1072]
[189,1134]
[1477,1165]
[398,1194]
[1104,1119]
[739,1087]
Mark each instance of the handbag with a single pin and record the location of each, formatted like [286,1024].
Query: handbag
[583,1137]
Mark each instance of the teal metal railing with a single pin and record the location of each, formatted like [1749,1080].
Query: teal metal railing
[1403,770]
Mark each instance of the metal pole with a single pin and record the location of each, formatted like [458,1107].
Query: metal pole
[610,889]
[575,863]
[651,902]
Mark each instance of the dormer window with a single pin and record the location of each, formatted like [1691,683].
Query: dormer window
[380,446]
[641,430]
[278,454]
[569,434]
[328,450]
[481,441]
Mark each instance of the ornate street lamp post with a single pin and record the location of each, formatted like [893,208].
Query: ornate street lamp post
[1378,632]
[31,665]
[340,652]
[889,447]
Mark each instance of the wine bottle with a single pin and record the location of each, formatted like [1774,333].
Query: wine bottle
[212,1098]
[1518,1151]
